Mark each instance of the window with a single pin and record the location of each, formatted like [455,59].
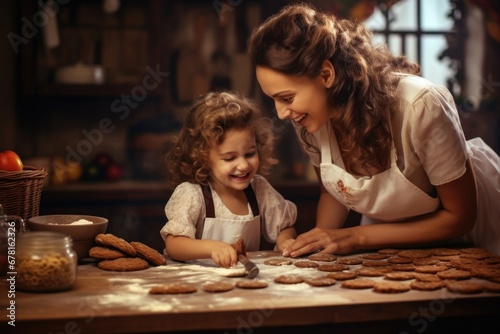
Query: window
[417,29]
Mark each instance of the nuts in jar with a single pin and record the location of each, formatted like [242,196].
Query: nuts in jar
[45,262]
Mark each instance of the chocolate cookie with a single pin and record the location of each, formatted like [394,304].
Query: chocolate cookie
[104,253]
[124,264]
[173,288]
[110,240]
[149,254]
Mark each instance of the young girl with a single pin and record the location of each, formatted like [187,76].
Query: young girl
[384,141]
[219,196]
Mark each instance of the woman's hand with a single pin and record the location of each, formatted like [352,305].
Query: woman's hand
[339,241]
[285,244]
[223,254]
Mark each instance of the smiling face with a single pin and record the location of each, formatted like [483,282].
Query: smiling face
[302,99]
[234,162]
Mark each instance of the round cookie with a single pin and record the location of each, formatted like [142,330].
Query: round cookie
[399,260]
[426,286]
[322,257]
[306,264]
[332,267]
[374,256]
[288,279]
[373,272]
[376,263]
[427,277]
[492,287]
[237,274]
[104,253]
[445,251]
[403,267]
[321,281]
[172,288]
[110,240]
[426,261]
[218,287]
[465,287]
[414,253]
[148,253]
[342,275]
[358,283]
[399,276]
[350,260]
[278,262]
[391,287]
[430,269]
[251,284]
[454,274]
[124,264]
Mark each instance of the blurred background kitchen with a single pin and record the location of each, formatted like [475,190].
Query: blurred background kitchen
[93,90]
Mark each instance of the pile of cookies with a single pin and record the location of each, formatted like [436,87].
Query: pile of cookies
[460,270]
[117,254]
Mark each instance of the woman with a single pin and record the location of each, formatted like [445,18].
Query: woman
[384,141]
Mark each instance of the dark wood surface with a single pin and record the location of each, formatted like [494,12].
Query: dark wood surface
[118,302]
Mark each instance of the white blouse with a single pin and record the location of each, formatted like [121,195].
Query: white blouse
[186,211]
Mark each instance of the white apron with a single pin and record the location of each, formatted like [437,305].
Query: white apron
[387,196]
[229,230]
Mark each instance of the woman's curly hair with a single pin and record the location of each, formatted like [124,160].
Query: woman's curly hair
[205,126]
[297,40]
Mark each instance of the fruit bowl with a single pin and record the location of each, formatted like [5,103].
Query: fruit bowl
[82,233]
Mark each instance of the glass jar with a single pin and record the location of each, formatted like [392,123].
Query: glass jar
[45,261]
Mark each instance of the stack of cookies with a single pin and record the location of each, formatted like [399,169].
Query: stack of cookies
[117,254]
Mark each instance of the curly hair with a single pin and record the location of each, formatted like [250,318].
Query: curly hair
[205,126]
[297,40]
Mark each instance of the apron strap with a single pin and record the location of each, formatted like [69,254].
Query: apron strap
[254,205]
[209,201]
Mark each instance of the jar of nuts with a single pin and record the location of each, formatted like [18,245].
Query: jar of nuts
[45,261]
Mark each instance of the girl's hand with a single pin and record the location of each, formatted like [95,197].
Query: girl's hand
[285,244]
[339,241]
[223,254]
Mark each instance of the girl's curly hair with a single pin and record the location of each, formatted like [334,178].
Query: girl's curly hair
[205,126]
[297,40]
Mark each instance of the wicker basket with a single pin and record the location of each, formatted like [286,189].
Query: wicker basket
[20,192]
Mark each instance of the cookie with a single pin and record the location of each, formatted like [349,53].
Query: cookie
[376,263]
[492,287]
[399,260]
[278,262]
[321,281]
[427,277]
[251,284]
[414,253]
[104,253]
[485,272]
[124,264]
[431,269]
[149,254]
[288,279]
[388,251]
[358,283]
[350,260]
[454,274]
[342,275]
[426,286]
[426,261]
[403,267]
[237,274]
[172,288]
[322,257]
[374,256]
[373,272]
[465,287]
[445,251]
[110,240]
[399,276]
[391,287]
[218,287]
[306,264]
[332,267]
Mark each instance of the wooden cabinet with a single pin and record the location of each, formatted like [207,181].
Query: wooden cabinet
[126,43]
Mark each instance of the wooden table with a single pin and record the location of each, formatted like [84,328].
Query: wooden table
[118,302]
